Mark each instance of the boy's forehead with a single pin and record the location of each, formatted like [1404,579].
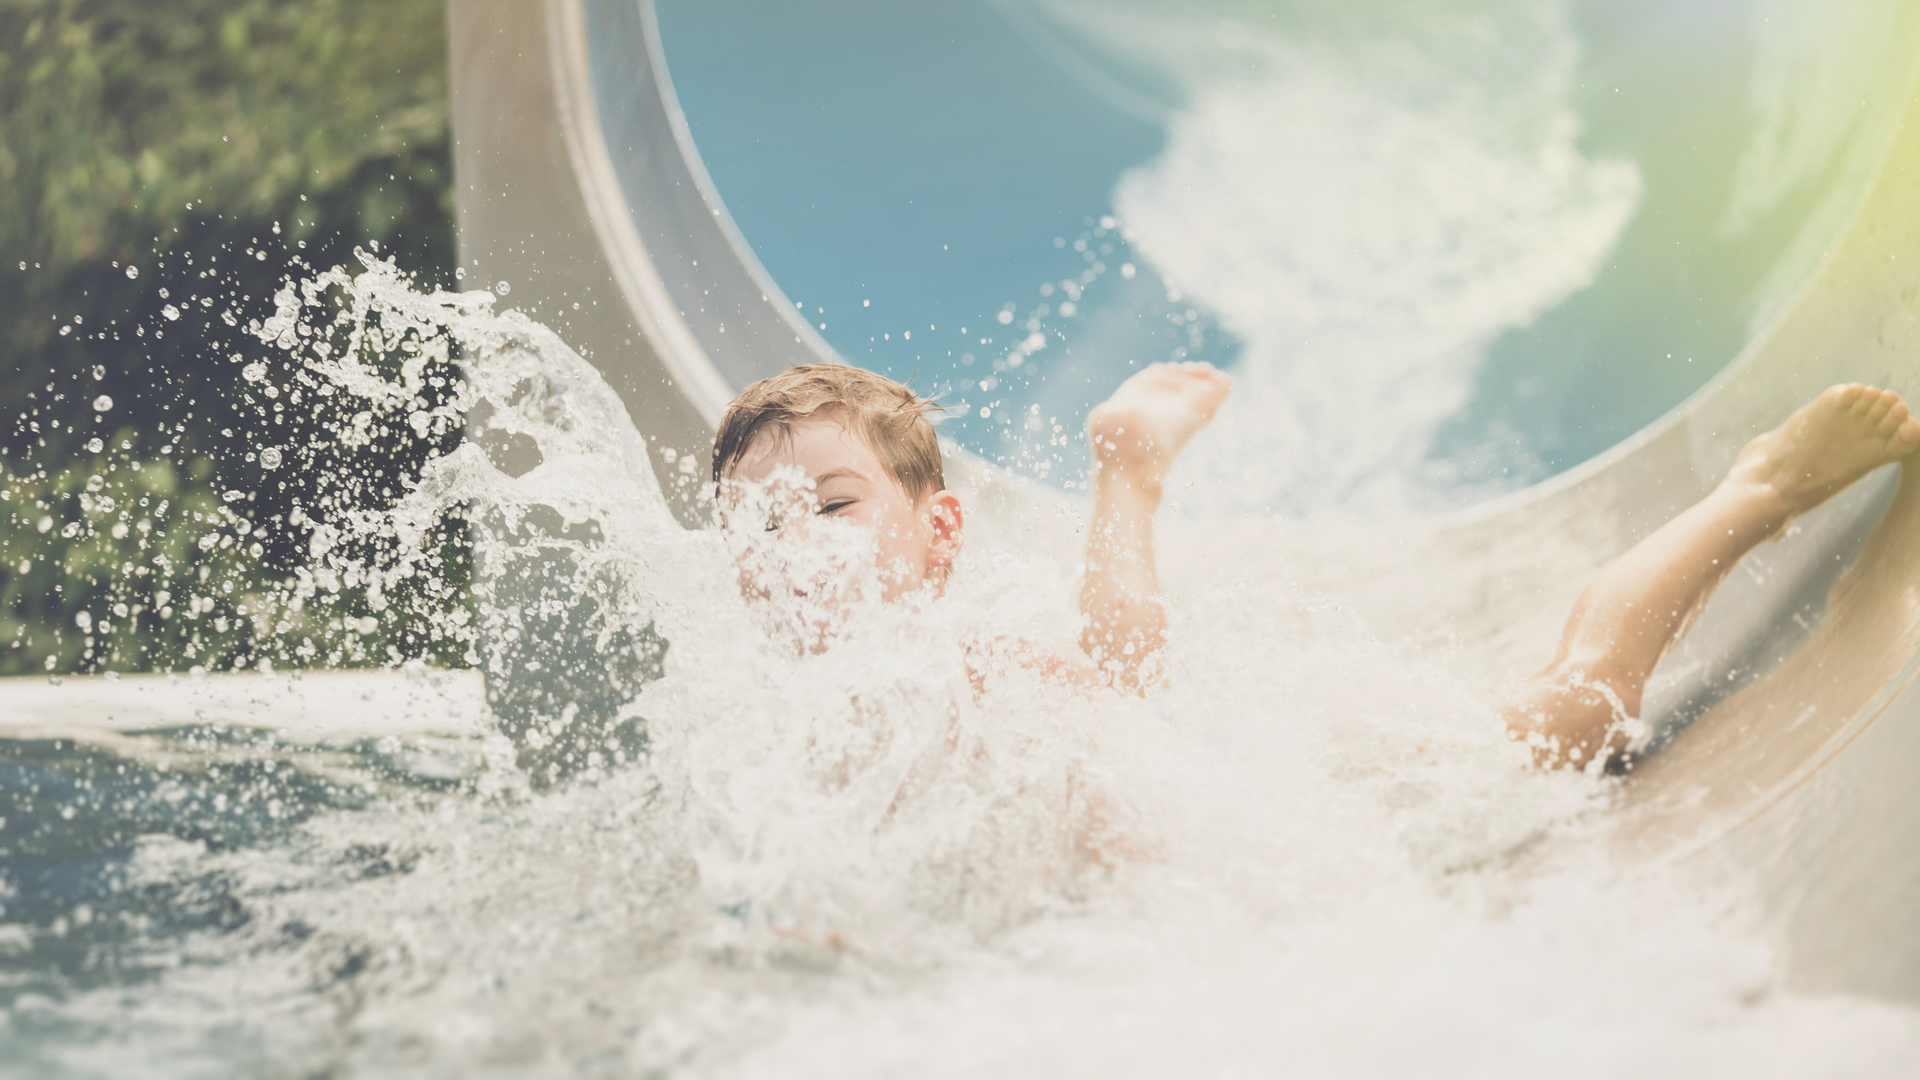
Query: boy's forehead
[813,446]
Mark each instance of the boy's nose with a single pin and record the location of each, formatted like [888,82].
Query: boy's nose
[795,527]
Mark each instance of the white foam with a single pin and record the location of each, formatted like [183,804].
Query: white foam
[1366,215]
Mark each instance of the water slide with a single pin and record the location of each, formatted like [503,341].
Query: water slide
[1789,719]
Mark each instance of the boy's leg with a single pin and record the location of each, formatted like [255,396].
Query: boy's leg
[1639,604]
[1135,435]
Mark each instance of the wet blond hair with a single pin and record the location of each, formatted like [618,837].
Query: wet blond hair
[888,416]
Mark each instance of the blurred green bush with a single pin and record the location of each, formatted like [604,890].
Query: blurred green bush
[164,165]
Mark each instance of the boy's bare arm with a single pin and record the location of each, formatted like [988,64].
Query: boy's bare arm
[1136,434]
[1126,625]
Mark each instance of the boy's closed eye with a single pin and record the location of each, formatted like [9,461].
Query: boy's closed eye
[776,522]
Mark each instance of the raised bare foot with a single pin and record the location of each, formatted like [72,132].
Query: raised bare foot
[1834,440]
[1138,431]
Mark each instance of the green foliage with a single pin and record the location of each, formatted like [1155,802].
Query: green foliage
[125,111]
[114,563]
[215,147]
[99,553]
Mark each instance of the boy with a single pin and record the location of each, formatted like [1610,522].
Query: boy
[864,443]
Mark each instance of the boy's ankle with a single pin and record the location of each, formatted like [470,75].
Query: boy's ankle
[1761,503]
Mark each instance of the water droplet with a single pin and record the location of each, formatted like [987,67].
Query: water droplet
[132,272]
[172,313]
[94,446]
[254,372]
[102,403]
[502,288]
[270,458]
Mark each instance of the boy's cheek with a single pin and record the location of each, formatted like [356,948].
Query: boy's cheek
[751,570]
[810,553]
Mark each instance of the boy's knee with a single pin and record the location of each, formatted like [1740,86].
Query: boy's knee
[1596,676]
[1568,717]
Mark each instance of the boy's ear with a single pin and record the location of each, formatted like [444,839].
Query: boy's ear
[949,522]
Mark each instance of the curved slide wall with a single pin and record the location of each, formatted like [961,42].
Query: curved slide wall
[1792,712]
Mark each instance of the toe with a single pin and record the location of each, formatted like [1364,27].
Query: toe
[1848,394]
[1879,404]
[1906,438]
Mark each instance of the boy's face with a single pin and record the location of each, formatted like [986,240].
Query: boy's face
[913,542]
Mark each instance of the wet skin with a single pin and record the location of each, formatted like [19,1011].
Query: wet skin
[1583,708]
[914,540]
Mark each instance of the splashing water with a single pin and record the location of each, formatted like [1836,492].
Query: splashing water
[701,844]
[1367,213]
